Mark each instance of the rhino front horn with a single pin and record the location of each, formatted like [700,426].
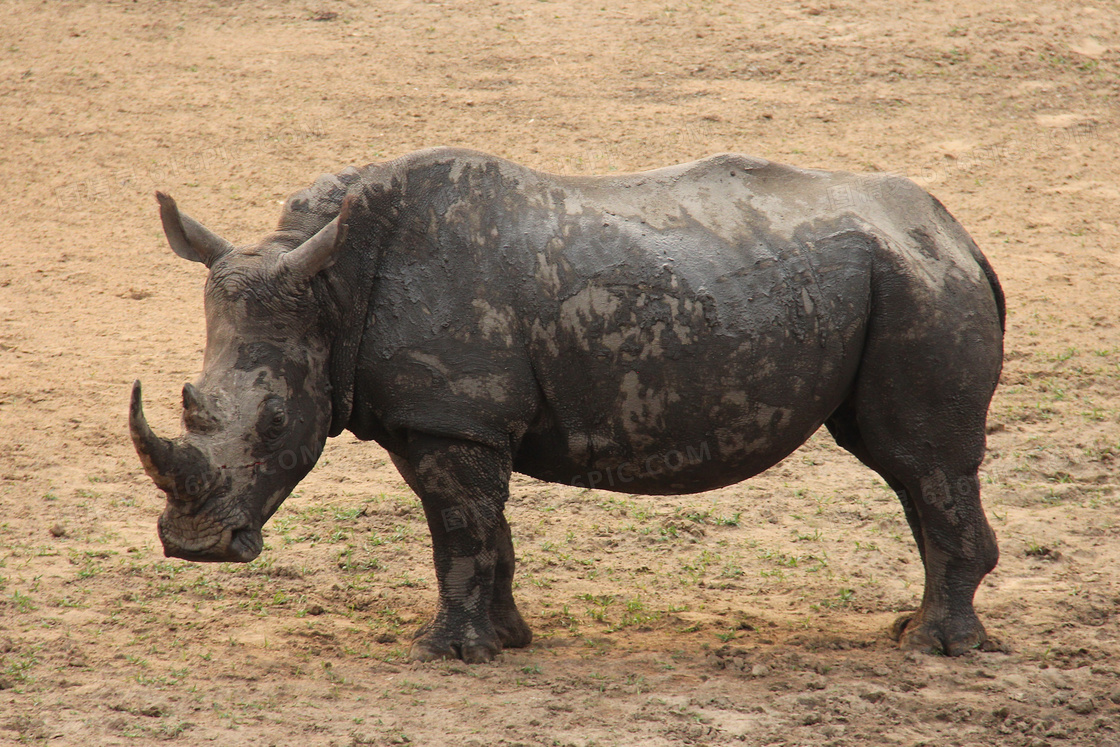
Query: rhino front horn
[156,454]
[180,470]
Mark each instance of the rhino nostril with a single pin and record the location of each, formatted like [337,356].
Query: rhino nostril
[246,543]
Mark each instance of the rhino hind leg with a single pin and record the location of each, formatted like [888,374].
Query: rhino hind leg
[463,488]
[957,548]
[917,417]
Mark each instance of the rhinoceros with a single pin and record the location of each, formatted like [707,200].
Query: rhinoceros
[476,317]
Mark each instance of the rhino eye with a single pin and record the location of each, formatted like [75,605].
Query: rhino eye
[273,419]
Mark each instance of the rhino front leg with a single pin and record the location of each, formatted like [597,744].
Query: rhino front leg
[512,629]
[463,487]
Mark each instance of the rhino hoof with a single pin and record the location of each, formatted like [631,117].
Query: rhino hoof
[431,648]
[914,634]
[512,630]
[898,627]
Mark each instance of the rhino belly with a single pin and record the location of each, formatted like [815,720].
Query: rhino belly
[655,396]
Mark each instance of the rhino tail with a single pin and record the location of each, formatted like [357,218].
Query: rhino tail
[993,281]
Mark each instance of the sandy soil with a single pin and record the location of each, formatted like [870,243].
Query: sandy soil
[754,614]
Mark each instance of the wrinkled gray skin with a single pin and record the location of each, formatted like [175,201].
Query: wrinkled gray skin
[661,333]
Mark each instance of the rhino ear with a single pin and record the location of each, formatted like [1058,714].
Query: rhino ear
[189,238]
[319,252]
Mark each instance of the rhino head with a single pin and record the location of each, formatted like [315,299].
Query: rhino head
[256,421]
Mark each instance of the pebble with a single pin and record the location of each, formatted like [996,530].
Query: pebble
[1083,706]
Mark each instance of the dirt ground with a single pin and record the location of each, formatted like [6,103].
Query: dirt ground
[753,614]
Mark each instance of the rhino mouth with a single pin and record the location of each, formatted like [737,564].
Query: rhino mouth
[202,540]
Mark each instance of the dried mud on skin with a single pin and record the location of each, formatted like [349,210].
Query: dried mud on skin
[755,614]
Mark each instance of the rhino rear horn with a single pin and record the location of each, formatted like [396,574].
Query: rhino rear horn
[197,410]
[318,252]
[187,237]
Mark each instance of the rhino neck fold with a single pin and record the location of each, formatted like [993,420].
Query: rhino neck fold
[343,290]
[349,285]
